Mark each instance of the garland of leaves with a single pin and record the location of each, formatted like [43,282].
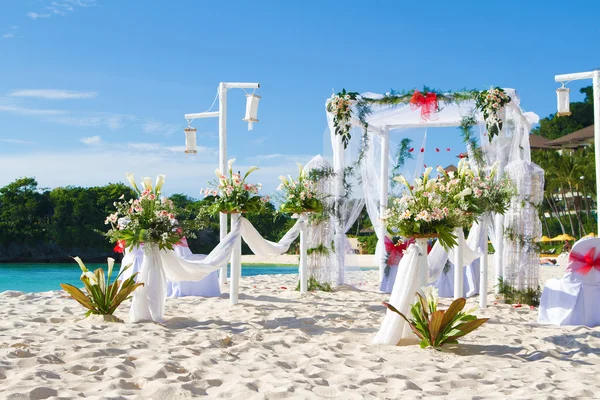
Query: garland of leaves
[466,128]
[402,154]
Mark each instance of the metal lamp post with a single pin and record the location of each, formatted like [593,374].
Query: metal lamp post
[222,114]
[595,76]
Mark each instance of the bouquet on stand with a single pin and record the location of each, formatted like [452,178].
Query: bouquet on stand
[149,220]
[423,211]
[299,195]
[233,194]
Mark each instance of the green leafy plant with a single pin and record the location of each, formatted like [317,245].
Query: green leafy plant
[436,327]
[103,297]
[512,295]
[314,284]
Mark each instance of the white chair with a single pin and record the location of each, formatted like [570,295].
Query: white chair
[574,299]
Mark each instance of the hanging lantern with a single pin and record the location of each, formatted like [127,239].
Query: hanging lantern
[251,109]
[562,95]
[190,141]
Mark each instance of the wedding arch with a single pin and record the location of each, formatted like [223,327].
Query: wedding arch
[360,126]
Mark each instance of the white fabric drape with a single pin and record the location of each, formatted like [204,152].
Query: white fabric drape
[394,327]
[159,266]
[265,248]
[439,255]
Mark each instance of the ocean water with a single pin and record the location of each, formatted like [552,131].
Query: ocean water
[44,277]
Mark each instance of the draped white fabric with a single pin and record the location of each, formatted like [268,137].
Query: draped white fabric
[159,266]
[394,327]
[320,231]
[439,255]
[264,248]
[207,287]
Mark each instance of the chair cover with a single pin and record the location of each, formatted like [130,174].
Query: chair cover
[574,299]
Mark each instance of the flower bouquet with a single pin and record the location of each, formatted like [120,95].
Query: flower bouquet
[463,192]
[232,194]
[340,105]
[491,103]
[150,219]
[300,194]
[423,211]
[436,327]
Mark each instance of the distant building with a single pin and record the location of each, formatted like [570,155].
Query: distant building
[450,168]
[538,142]
[581,138]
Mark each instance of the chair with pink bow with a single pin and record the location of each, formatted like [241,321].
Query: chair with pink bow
[575,299]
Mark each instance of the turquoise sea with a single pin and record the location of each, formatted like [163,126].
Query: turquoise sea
[44,277]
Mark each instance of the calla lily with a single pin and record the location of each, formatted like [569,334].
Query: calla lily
[300,170]
[218,174]
[402,180]
[131,178]
[441,170]
[427,172]
[463,193]
[160,181]
[111,264]
[147,182]
[494,169]
[90,277]
[251,170]
[282,178]
[230,163]
[81,264]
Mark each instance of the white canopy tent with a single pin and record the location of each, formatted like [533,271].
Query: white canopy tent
[511,144]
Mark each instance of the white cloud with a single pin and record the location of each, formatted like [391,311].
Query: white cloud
[35,16]
[157,127]
[52,94]
[18,141]
[259,140]
[29,111]
[111,121]
[92,140]
[9,35]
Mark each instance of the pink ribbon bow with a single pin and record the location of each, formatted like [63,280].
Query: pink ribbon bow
[583,264]
[183,242]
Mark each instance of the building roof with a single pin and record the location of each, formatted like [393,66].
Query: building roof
[450,168]
[538,142]
[576,139]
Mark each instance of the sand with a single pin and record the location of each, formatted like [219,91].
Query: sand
[277,344]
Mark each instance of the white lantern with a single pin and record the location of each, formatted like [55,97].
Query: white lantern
[562,95]
[251,109]
[190,141]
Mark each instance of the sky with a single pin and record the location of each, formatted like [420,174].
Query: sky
[92,89]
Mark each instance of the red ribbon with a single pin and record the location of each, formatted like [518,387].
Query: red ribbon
[395,251]
[428,103]
[583,264]
[120,247]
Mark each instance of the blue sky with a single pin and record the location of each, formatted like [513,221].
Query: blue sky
[91,89]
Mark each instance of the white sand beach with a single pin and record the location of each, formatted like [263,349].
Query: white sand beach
[277,344]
